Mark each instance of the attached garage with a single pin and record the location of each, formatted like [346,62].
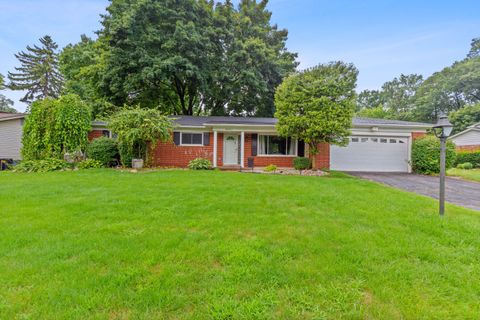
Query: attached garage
[372,153]
[377,145]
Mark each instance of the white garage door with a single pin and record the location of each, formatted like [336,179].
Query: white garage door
[377,154]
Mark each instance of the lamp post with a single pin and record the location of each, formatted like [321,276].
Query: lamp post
[442,130]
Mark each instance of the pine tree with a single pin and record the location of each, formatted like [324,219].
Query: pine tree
[38,74]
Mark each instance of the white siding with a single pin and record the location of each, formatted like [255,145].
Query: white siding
[468,138]
[11,138]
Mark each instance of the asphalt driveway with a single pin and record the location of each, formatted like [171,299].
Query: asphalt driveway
[459,192]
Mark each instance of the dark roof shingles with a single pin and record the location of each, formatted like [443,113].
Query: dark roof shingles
[199,121]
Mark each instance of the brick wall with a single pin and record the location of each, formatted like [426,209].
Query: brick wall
[94,134]
[469,148]
[322,158]
[416,135]
[167,154]
[263,161]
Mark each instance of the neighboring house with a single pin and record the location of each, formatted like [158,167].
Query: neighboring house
[11,125]
[375,144]
[468,140]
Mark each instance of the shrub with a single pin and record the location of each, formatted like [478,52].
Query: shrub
[90,164]
[472,157]
[465,166]
[270,168]
[301,163]
[426,155]
[136,128]
[200,164]
[45,165]
[126,154]
[104,150]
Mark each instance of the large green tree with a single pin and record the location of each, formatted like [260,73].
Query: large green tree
[396,99]
[465,117]
[451,89]
[251,60]
[38,73]
[317,105]
[191,56]
[82,66]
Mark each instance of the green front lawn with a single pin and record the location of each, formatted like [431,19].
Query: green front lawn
[104,244]
[473,174]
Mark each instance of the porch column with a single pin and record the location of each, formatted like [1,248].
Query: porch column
[215,148]
[242,149]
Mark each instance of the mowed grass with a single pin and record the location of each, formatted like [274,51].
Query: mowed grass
[104,244]
[473,174]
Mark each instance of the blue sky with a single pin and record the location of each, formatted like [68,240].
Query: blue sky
[383,38]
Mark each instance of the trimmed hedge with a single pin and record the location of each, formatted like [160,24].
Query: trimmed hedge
[301,163]
[465,166]
[426,155]
[472,157]
[105,150]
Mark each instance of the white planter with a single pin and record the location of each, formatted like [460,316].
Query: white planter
[137,163]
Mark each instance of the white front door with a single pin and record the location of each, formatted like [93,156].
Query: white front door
[371,153]
[230,150]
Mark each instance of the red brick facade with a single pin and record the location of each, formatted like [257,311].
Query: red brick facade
[94,134]
[167,154]
[263,161]
[469,148]
[322,158]
[416,135]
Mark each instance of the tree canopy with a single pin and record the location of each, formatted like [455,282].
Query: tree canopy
[317,105]
[38,73]
[182,57]
[396,99]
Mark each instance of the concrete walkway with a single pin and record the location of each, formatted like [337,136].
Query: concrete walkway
[459,192]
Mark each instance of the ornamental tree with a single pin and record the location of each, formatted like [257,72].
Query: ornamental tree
[55,127]
[317,105]
[135,128]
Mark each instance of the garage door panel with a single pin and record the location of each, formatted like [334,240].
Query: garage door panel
[382,154]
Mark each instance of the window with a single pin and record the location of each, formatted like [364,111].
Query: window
[393,141]
[401,141]
[275,145]
[374,140]
[189,138]
[364,139]
[354,139]
[383,140]
[106,133]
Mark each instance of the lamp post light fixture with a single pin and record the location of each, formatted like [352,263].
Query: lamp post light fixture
[442,129]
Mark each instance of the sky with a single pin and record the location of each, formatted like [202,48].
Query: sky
[383,38]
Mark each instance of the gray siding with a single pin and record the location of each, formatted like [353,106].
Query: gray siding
[11,139]
[468,138]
